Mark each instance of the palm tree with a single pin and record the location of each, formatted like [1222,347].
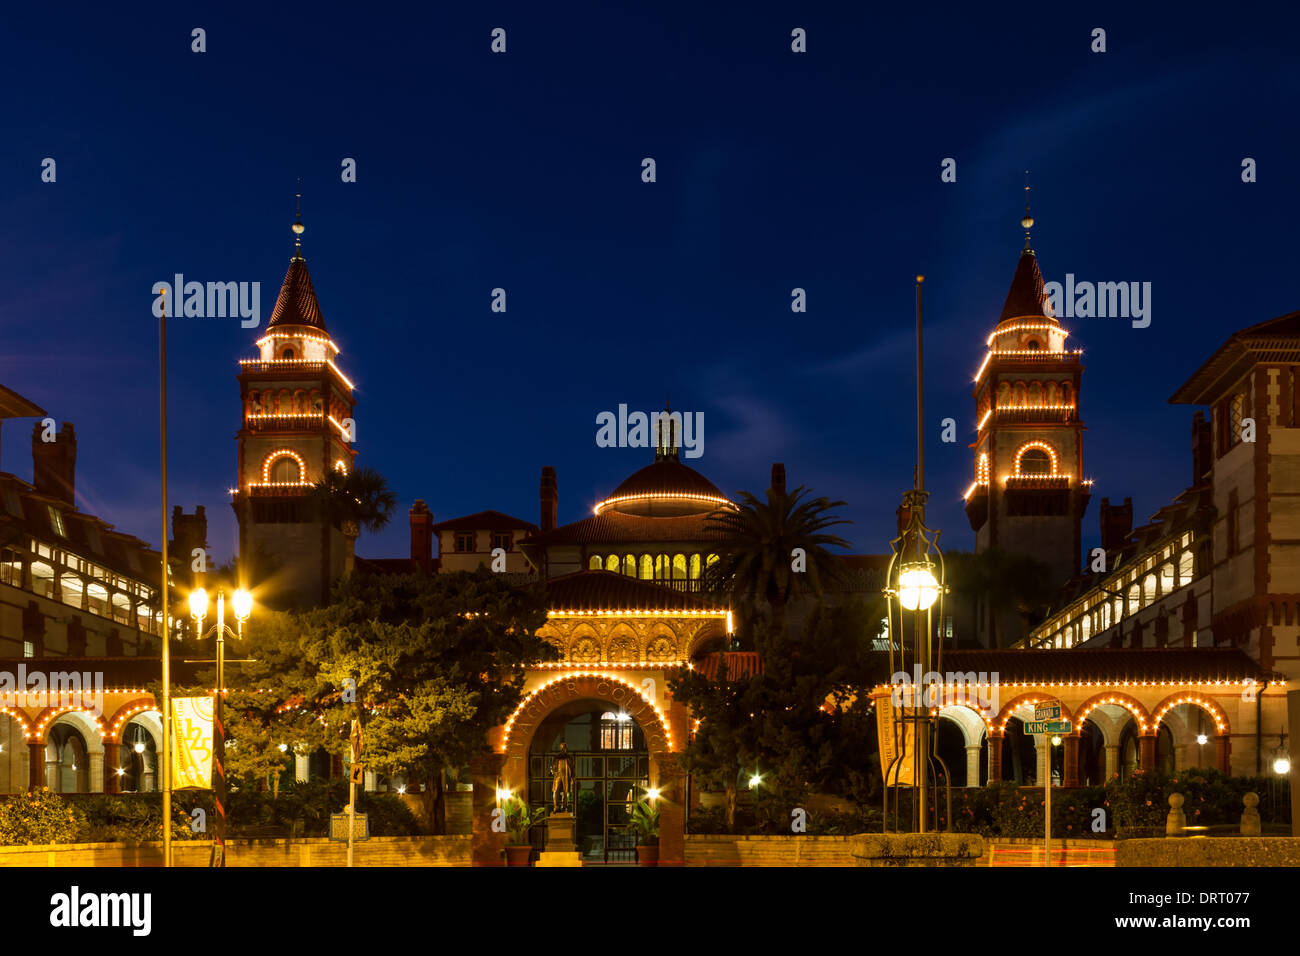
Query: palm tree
[354,500]
[759,564]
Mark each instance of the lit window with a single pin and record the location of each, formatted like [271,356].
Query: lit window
[615,731]
[1186,567]
[1035,461]
[286,470]
[56,521]
[612,563]
[594,563]
[29,649]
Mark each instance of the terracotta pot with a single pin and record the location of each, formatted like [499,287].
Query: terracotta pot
[518,855]
[648,855]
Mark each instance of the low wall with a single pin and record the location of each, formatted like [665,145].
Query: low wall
[377,851]
[1209,851]
[730,850]
[917,849]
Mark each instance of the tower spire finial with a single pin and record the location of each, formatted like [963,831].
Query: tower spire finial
[1028,220]
[298,227]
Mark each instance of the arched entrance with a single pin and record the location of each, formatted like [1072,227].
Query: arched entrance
[612,764]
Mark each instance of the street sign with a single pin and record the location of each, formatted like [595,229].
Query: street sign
[339,827]
[358,774]
[1047,726]
[1050,711]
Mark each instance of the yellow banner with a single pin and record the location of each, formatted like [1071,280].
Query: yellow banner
[897,740]
[192,743]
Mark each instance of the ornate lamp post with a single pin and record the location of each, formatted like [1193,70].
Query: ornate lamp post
[914,584]
[242,605]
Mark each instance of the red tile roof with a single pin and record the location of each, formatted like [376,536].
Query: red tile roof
[740,665]
[1113,665]
[296,303]
[484,521]
[1277,340]
[667,476]
[607,591]
[612,527]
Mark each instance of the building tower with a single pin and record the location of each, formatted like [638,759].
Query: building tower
[297,423]
[1029,495]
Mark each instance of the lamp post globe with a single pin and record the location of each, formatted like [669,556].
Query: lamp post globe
[198,604]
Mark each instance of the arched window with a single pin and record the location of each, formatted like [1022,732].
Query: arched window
[1053,395]
[679,567]
[695,567]
[1035,393]
[629,565]
[1067,393]
[286,469]
[287,354]
[710,560]
[662,567]
[1004,394]
[594,563]
[1148,589]
[1134,599]
[1167,581]
[1186,568]
[611,563]
[1104,616]
[1034,461]
[1087,626]
[1033,345]
[647,567]
[1019,393]
[615,731]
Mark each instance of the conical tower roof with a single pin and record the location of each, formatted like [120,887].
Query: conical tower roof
[1027,296]
[296,304]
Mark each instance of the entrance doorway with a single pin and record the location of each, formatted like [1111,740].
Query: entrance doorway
[612,771]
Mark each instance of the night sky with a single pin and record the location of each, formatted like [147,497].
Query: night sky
[775,170]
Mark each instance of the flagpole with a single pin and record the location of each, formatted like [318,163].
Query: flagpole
[166,622]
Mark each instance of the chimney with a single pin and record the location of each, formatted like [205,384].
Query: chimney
[422,535]
[550,494]
[1202,450]
[54,463]
[1116,523]
[778,478]
[189,531]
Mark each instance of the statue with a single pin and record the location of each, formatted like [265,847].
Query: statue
[562,771]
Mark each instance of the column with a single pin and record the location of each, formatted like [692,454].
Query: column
[112,760]
[972,765]
[302,770]
[52,774]
[995,757]
[1112,761]
[1147,752]
[96,775]
[672,810]
[1223,752]
[487,847]
[1071,760]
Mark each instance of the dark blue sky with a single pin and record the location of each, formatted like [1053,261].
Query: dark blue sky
[522,171]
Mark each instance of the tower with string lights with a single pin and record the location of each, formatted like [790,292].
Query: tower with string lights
[297,424]
[1028,494]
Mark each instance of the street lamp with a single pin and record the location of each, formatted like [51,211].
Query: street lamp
[914,583]
[241,604]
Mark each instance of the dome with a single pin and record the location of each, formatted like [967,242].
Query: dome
[665,488]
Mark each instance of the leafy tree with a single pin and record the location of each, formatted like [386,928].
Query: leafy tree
[760,537]
[429,663]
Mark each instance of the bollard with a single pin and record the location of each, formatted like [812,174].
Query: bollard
[1250,816]
[1177,820]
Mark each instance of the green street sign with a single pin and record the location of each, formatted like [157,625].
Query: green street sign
[1047,726]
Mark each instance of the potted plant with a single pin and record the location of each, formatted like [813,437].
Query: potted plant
[519,820]
[644,824]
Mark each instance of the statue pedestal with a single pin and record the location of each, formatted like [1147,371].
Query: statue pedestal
[549,858]
[561,833]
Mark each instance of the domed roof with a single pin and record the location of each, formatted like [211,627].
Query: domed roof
[665,487]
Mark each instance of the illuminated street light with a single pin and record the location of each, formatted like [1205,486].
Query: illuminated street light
[1202,739]
[917,587]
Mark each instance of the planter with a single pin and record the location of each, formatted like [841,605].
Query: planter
[518,855]
[648,855]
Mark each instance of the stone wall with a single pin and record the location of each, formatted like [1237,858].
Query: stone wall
[728,850]
[1209,851]
[377,851]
